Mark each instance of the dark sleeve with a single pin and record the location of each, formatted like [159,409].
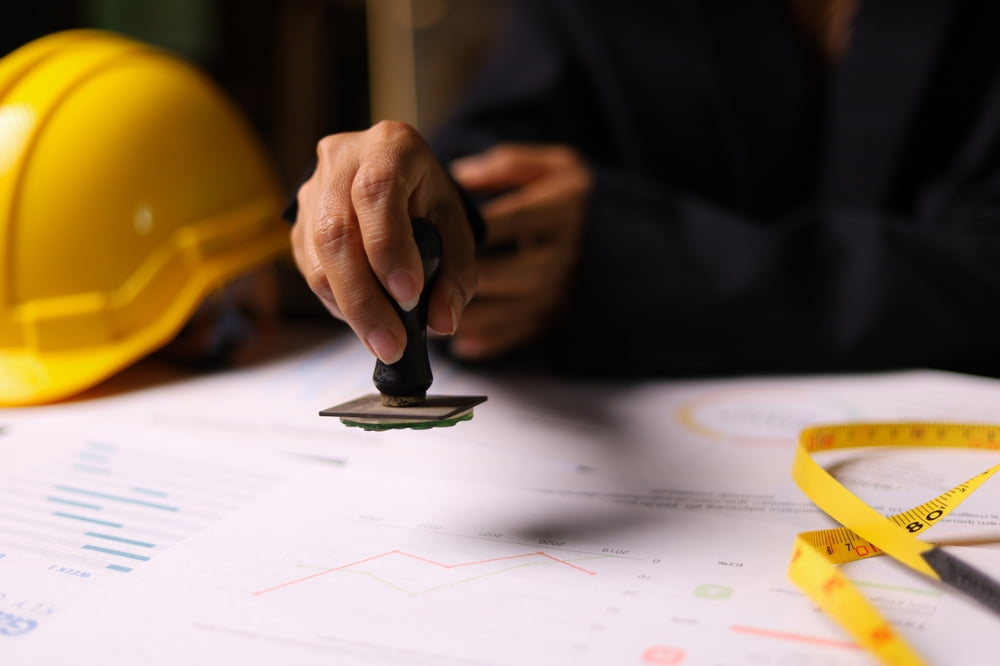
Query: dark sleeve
[672,284]
[526,91]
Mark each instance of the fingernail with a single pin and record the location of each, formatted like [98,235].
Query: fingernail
[385,345]
[404,289]
[457,304]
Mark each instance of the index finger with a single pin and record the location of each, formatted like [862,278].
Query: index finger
[389,172]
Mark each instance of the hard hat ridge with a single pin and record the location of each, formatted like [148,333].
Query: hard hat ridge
[130,187]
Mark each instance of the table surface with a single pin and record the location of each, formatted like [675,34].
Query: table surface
[167,516]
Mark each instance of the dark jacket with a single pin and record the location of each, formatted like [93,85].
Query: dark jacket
[753,210]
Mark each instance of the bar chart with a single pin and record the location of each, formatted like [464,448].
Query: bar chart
[93,507]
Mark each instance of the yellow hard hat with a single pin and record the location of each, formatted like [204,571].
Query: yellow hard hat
[130,187]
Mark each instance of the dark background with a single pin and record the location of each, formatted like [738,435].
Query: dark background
[299,69]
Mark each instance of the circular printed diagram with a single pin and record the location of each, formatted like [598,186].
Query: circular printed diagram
[760,414]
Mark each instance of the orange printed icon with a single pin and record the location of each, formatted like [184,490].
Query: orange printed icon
[662,655]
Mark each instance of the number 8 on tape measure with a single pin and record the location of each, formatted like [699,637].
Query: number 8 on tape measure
[867,533]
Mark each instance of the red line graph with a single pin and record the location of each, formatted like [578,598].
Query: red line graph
[443,565]
[802,638]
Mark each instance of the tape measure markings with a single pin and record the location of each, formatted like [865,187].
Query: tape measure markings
[816,553]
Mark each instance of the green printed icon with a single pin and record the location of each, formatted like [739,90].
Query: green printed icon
[710,591]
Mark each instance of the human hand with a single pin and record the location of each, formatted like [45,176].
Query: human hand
[353,234]
[533,232]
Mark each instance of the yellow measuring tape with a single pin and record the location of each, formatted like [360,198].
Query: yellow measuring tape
[867,533]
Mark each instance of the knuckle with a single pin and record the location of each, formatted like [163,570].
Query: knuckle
[358,305]
[328,145]
[334,232]
[373,184]
[305,192]
[393,131]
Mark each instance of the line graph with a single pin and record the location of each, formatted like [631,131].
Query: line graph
[546,559]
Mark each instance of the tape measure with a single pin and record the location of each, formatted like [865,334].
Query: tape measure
[867,533]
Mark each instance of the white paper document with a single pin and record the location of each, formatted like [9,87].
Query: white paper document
[220,520]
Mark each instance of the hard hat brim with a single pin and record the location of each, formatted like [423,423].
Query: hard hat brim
[30,378]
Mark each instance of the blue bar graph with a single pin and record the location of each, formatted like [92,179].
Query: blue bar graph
[131,542]
[83,505]
[119,553]
[150,491]
[100,507]
[101,446]
[92,469]
[106,523]
[116,498]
